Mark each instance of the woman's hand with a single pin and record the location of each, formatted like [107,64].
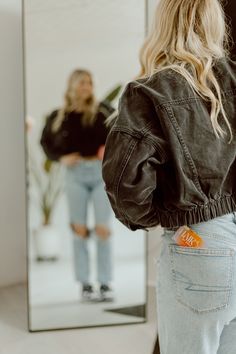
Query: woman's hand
[70,159]
[100,152]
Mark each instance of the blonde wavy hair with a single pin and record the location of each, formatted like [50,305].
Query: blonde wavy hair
[72,101]
[190,34]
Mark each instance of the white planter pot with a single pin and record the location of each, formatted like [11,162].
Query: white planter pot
[47,243]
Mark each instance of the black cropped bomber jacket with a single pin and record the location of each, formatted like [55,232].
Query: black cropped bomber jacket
[73,136]
[163,164]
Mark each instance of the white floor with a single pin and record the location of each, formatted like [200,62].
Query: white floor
[55,295]
[54,282]
[120,339]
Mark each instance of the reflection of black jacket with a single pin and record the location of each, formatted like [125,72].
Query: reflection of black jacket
[163,163]
[72,136]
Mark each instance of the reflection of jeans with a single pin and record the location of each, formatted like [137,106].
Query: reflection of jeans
[84,183]
[196,291]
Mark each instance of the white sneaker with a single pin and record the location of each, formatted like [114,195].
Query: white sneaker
[88,293]
[106,293]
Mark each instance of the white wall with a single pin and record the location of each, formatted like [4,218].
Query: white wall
[58,40]
[12,186]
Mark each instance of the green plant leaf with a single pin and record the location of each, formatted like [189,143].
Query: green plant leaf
[47,165]
[113,93]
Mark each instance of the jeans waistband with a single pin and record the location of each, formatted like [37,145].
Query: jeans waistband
[228,215]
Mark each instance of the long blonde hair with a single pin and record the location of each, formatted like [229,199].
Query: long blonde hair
[190,34]
[72,101]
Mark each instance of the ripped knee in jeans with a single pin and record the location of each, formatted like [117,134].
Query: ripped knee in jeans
[102,231]
[80,230]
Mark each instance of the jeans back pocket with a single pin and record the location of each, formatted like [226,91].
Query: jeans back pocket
[202,276]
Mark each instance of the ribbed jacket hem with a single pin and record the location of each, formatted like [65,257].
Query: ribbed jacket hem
[211,210]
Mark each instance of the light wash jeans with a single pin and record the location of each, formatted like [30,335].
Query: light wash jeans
[84,183]
[196,291]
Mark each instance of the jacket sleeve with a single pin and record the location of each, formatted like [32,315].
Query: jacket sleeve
[47,140]
[130,161]
[101,128]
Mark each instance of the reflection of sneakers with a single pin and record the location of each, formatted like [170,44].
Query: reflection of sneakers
[106,293]
[88,293]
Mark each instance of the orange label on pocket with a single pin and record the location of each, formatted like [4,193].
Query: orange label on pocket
[186,237]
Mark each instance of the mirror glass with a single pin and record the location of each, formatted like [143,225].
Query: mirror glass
[85,268]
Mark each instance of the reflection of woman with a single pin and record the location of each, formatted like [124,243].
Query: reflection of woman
[75,135]
[178,123]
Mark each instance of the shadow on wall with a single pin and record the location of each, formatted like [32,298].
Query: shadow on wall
[156,349]
[12,188]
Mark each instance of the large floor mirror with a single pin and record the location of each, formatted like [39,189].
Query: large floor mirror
[86,51]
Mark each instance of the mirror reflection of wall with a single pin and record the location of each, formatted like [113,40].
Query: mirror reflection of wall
[85,267]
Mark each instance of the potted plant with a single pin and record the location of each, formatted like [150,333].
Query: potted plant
[46,187]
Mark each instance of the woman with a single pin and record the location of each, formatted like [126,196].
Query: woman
[75,136]
[177,123]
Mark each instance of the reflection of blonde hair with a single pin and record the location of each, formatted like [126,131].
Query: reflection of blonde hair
[193,34]
[74,103]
